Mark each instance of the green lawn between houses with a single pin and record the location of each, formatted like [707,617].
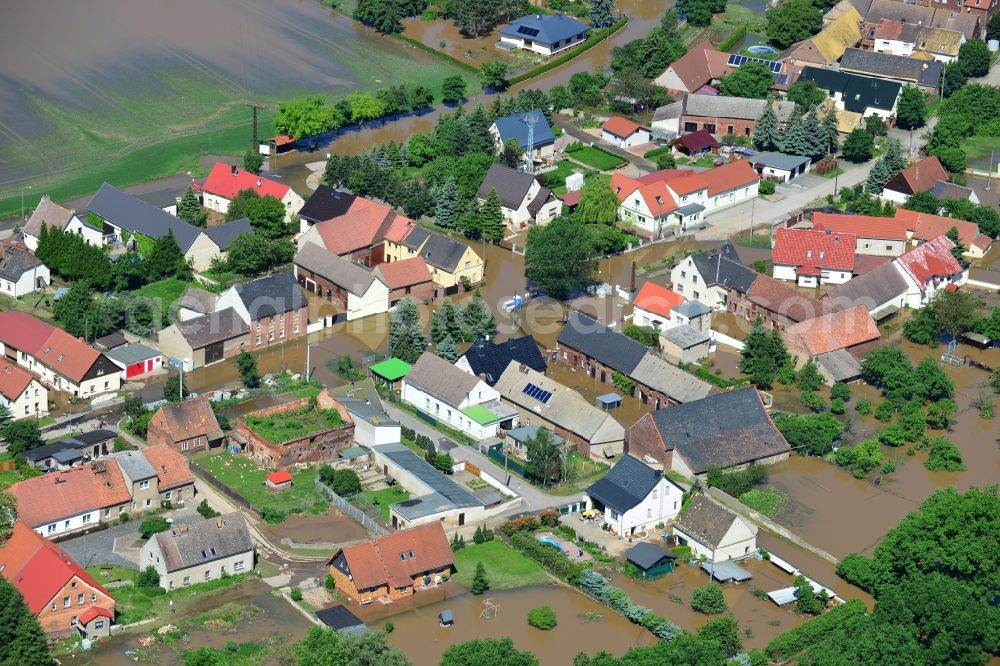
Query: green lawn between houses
[292,425]
[165,292]
[245,477]
[597,158]
[506,568]
[386,497]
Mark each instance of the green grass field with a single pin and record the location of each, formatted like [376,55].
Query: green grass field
[166,292]
[292,425]
[386,497]
[596,157]
[506,568]
[246,478]
[977,150]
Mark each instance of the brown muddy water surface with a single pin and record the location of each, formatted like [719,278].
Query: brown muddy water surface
[277,622]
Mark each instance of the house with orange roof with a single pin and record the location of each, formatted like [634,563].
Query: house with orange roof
[394,566]
[916,178]
[811,257]
[925,226]
[701,65]
[174,481]
[652,306]
[409,278]
[57,359]
[452,263]
[876,236]
[22,394]
[357,234]
[835,340]
[929,267]
[623,132]
[225,181]
[57,590]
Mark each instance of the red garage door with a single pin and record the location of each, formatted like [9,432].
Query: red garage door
[135,369]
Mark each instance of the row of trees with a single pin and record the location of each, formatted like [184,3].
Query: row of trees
[961,116]
[313,116]
[386,15]
[803,133]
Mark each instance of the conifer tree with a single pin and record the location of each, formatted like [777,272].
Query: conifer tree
[491,218]
[446,320]
[793,138]
[444,208]
[813,136]
[766,132]
[22,640]
[447,349]
[480,583]
[478,320]
[893,156]
[831,131]
[189,208]
[959,250]
[878,177]
[478,123]
[601,13]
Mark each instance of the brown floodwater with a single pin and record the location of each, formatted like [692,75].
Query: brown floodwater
[418,633]
[333,527]
[277,621]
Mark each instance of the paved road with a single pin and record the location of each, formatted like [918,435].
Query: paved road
[534,498]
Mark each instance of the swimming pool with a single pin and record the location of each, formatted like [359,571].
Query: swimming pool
[762,49]
[549,541]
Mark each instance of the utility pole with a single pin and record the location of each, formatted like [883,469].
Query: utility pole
[255,107]
[989,172]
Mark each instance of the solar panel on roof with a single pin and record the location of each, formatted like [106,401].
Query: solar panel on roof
[736,60]
[525,30]
[539,394]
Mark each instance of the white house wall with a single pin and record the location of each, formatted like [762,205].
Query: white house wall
[660,505]
[374,301]
[33,401]
[451,414]
[80,521]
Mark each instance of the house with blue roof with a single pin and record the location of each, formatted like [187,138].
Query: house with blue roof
[516,127]
[543,33]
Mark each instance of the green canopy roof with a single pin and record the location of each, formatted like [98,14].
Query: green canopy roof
[392,369]
[480,414]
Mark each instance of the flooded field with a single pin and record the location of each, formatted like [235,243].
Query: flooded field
[276,624]
[418,633]
[333,527]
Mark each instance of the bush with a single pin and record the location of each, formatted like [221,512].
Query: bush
[549,517]
[206,511]
[296,594]
[944,456]
[457,543]
[153,525]
[841,390]
[864,407]
[389,627]
[766,187]
[542,617]
[519,524]
[814,632]
[346,482]
[737,482]
[272,515]
[147,578]
[330,583]
[837,406]
[482,535]
[708,600]
[811,400]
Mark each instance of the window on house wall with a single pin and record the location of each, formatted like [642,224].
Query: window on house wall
[208,574]
[143,485]
[238,566]
[66,602]
[187,580]
[79,599]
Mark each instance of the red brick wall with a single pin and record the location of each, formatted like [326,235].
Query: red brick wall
[57,622]
[643,439]
[739,305]
[156,433]
[604,374]
[741,126]
[325,288]
[418,292]
[264,326]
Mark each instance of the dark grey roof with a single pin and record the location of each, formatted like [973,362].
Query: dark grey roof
[705,520]
[926,73]
[197,299]
[94,436]
[840,365]
[271,295]
[204,541]
[131,354]
[545,28]
[723,265]
[945,190]
[526,432]
[692,309]
[587,335]
[723,430]
[685,336]
[212,327]
[442,252]
[445,493]
[492,358]
[75,442]
[326,203]
[127,212]
[859,92]
[161,198]
[514,127]
[416,237]
[15,262]
[341,271]
[134,465]
[689,209]
[112,340]
[510,185]
[871,289]
[645,555]
[223,234]
[340,618]
[535,205]
[67,456]
[780,160]
[627,484]
[726,572]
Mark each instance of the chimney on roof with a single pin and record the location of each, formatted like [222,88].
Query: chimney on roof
[235,169]
[829,231]
[522,368]
[538,17]
[219,522]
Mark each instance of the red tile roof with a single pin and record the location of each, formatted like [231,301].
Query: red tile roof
[656,299]
[661,176]
[388,560]
[93,613]
[930,259]
[621,127]
[283,139]
[778,297]
[687,184]
[13,380]
[926,226]
[658,198]
[57,495]
[919,177]
[570,198]
[110,486]
[281,476]
[700,65]
[698,141]
[806,247]
[172,469]
[399,229]
[837,330]
[189,418]
[66,355]
[223,182]
[38,568]
[889,29]
[405,273]
[23,332]
[365,224]
[862,226]
[737,173]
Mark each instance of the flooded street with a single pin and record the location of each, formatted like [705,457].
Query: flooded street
[276,624]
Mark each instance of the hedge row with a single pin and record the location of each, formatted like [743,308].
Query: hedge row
[733,39]
[791,643]
[552,559]
[702,372]
[440,54]
[595,585]
[593,40]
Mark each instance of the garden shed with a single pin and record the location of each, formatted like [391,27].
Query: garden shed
[278,481]
[391,371]
[651,560]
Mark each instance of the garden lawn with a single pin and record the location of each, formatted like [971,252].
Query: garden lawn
[977,150]
[292,425]
[245,477]
[165,292]
[386,497]
[506,568]
[7,479]
[557,177]
[597,158]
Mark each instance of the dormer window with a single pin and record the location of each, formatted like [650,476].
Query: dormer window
[809,254]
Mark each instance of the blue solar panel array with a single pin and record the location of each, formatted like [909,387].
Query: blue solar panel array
[736,60]
[539,394]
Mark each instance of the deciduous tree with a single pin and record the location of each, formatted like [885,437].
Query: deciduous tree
[598,202]
[22,641]
[307,117]
[792,22]
[453,89]
[560,257]
[752,80]
[493,75]
[858,147]
[911,112]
